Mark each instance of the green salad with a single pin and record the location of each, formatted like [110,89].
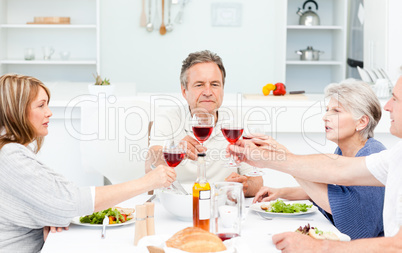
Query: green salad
[115,217]
[281,207]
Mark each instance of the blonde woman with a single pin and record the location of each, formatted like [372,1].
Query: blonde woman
[352,114]
[33,196]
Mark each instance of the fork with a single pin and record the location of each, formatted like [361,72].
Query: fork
[104,223]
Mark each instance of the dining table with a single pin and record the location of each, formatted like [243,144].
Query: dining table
[256,231]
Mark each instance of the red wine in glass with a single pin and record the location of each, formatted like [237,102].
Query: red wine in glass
[227,236]
[232,134]
[173,158]
[202,133]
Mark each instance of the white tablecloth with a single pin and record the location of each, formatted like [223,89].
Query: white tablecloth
[255,235]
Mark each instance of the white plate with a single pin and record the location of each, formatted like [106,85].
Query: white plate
[343,237]
[76,221]
[257,208]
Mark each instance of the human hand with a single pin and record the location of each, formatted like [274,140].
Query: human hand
[296,242]
[266,194]
[247,151]
[193,147]
[48,229]
[266,141]
[161,176]
[234,177]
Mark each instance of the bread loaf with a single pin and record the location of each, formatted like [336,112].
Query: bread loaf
[127,211]
[323,235]
[193,239]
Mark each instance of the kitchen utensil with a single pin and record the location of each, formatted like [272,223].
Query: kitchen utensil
[156,21]
[381,88]
[50,20]
[29,54]
[179,17]
[379,74]
[169,26]
[47,52]
[151,198]
[297,92]
[372,75]
[140,223]
[385,75]
[364,75]
[150,218]
[309,17]
[150,26]
[143,18]
[309,54]
[65,55]
[177,186]
[162,29]
[104,224]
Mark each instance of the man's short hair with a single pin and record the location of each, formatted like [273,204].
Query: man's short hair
[200,57]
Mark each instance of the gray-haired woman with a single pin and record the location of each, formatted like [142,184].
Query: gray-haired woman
[352,114]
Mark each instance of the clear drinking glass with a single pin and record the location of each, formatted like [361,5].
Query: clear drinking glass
[227,209]
[29,54]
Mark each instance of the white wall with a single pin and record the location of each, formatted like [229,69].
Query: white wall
[252,53]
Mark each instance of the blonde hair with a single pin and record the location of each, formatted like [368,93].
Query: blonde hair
[17,92]
[359,99]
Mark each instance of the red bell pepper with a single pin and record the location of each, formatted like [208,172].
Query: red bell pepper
[280,89]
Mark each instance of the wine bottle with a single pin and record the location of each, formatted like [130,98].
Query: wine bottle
[201,196]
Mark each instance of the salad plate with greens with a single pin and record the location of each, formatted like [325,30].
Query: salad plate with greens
[117,217]
[283,208]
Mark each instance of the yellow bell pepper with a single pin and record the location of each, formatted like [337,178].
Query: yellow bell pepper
[267,89]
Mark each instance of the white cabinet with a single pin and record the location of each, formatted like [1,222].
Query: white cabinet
[329,36]
[383,37]
[80,39]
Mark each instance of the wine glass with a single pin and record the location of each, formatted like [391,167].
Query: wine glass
[252,130]
[202,124]
[174,152]
[232,131]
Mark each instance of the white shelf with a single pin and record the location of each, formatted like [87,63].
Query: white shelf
[314,62]
[45,26]
[50,62]
[330,38]
[80,38]
[318,27]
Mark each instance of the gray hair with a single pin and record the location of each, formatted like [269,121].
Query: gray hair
[359,99]
[200,57]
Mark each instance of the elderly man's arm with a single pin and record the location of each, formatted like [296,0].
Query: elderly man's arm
[295,242]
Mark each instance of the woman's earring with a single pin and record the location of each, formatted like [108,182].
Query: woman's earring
[357,129]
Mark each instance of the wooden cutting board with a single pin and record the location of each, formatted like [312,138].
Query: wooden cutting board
[50,20]
[272,97]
